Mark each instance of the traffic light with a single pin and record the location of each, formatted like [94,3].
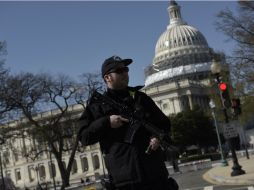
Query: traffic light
[225,98]
[236,105]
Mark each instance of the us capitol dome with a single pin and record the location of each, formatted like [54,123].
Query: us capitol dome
[178,77]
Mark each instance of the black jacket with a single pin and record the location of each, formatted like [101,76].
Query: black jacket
[126,163]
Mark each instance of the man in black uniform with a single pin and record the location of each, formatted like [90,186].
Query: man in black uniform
[128,164]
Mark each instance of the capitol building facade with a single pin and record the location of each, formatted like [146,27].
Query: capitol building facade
[179,76]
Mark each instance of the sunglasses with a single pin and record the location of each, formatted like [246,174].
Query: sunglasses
[119,70]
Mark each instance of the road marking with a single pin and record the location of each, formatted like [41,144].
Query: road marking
[212,187]
[208,188]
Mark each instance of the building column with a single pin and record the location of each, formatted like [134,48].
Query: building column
[102,163]
[47,170]
[25,175]
[180,104]
[79,164]
[90,162]
[190,102]
[173,105]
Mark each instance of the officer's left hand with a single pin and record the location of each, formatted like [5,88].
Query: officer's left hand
[154,143]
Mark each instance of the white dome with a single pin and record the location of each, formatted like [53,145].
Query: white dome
[179,36]
[179,39]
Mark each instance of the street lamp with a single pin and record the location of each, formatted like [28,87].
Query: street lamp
[216,70]
[216,67]
[223,161]
[1,165]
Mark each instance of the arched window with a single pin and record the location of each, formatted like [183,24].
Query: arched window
[6,157]
[84,164]
[42,172]
[96,163]
[17,174]
[74,167]
[31,173]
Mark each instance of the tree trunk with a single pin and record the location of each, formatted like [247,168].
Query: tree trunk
[65,173]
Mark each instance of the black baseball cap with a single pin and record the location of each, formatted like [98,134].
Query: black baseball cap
[113,63]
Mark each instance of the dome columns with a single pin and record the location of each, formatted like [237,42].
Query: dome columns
[190,102]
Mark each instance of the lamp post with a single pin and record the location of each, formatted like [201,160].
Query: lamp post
[2,175]
[236,105]
[223,160]
[216,70]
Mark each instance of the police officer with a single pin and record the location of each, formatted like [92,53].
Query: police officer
[128,165]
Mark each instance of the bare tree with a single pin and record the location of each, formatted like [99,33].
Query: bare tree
[33,94]
[55,96]
[3,48]
[240,28]
[4,73]
[91,82]
[29,96]
[3,76]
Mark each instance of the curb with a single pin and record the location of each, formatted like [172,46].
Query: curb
[219,180]
[220,175]
[191,166]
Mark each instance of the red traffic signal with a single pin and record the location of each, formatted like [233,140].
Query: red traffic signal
[223,86]
[225,96]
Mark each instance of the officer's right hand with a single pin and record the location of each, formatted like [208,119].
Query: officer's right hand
[117,121]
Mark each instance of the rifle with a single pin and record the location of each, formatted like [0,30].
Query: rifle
[136,119]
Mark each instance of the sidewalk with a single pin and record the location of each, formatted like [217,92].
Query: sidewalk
[221,174]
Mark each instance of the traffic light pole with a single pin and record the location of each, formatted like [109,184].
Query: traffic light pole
[237,111]
[236,167]
[223,160]
[246,151]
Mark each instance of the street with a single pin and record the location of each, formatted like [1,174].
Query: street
[194,181]
[191,181]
